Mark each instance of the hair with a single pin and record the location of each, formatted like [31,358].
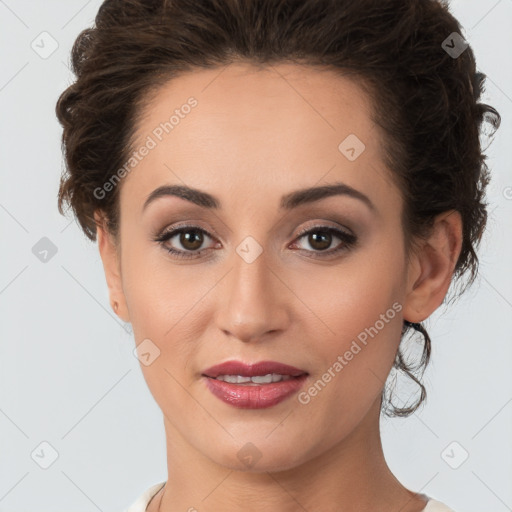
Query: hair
[424,100]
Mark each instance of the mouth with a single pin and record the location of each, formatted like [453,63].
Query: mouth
[254,386]
[263,372]
[256,380]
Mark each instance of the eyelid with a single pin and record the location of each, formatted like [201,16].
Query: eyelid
[324,225]
[212,233]
[184,225]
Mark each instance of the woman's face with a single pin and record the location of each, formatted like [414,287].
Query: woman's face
[251,286]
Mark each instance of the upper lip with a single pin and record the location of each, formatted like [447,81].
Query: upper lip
[252,369]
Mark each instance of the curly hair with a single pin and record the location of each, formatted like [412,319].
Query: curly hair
[424,99]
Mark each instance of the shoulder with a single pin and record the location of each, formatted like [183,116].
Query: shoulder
[140,504]
[436,506]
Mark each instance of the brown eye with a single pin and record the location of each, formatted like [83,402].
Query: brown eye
[320,242]
[320,238]
[191,242]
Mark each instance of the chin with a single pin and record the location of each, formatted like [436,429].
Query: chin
[259,455]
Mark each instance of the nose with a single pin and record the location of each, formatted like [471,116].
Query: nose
[254,301]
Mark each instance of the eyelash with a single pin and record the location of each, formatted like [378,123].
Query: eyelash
[348,240]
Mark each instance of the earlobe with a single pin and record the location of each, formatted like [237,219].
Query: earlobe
[111,265]
[432,266]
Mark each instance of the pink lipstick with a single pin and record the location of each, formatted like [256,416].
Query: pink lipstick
[253,386]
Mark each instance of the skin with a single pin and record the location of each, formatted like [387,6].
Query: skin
[255,135]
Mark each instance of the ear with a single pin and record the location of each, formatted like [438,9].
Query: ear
[431,267]
[111,258]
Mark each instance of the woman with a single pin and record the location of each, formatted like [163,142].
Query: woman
[281,191]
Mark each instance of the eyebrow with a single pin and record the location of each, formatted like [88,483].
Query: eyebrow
[288,201]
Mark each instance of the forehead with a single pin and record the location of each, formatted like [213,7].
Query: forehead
[243,128]
[287,97]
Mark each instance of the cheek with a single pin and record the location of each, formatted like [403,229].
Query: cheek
[352,297]
[159,301]
[359,305]
[364,326]
[165,307]
[157,292]
[352,366]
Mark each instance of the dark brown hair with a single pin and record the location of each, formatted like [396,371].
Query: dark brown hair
[425,100]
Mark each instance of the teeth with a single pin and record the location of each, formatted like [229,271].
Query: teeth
[257,379]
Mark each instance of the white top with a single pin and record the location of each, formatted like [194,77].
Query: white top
[142,501]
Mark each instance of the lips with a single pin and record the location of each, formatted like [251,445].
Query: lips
[261,394]
[250,370]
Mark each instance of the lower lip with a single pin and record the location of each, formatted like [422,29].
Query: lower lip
[258,396]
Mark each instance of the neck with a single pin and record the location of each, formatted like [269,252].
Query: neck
[350,476]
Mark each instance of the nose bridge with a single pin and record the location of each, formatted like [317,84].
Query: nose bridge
[252,306]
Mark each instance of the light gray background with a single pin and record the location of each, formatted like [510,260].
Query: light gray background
[67,372]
